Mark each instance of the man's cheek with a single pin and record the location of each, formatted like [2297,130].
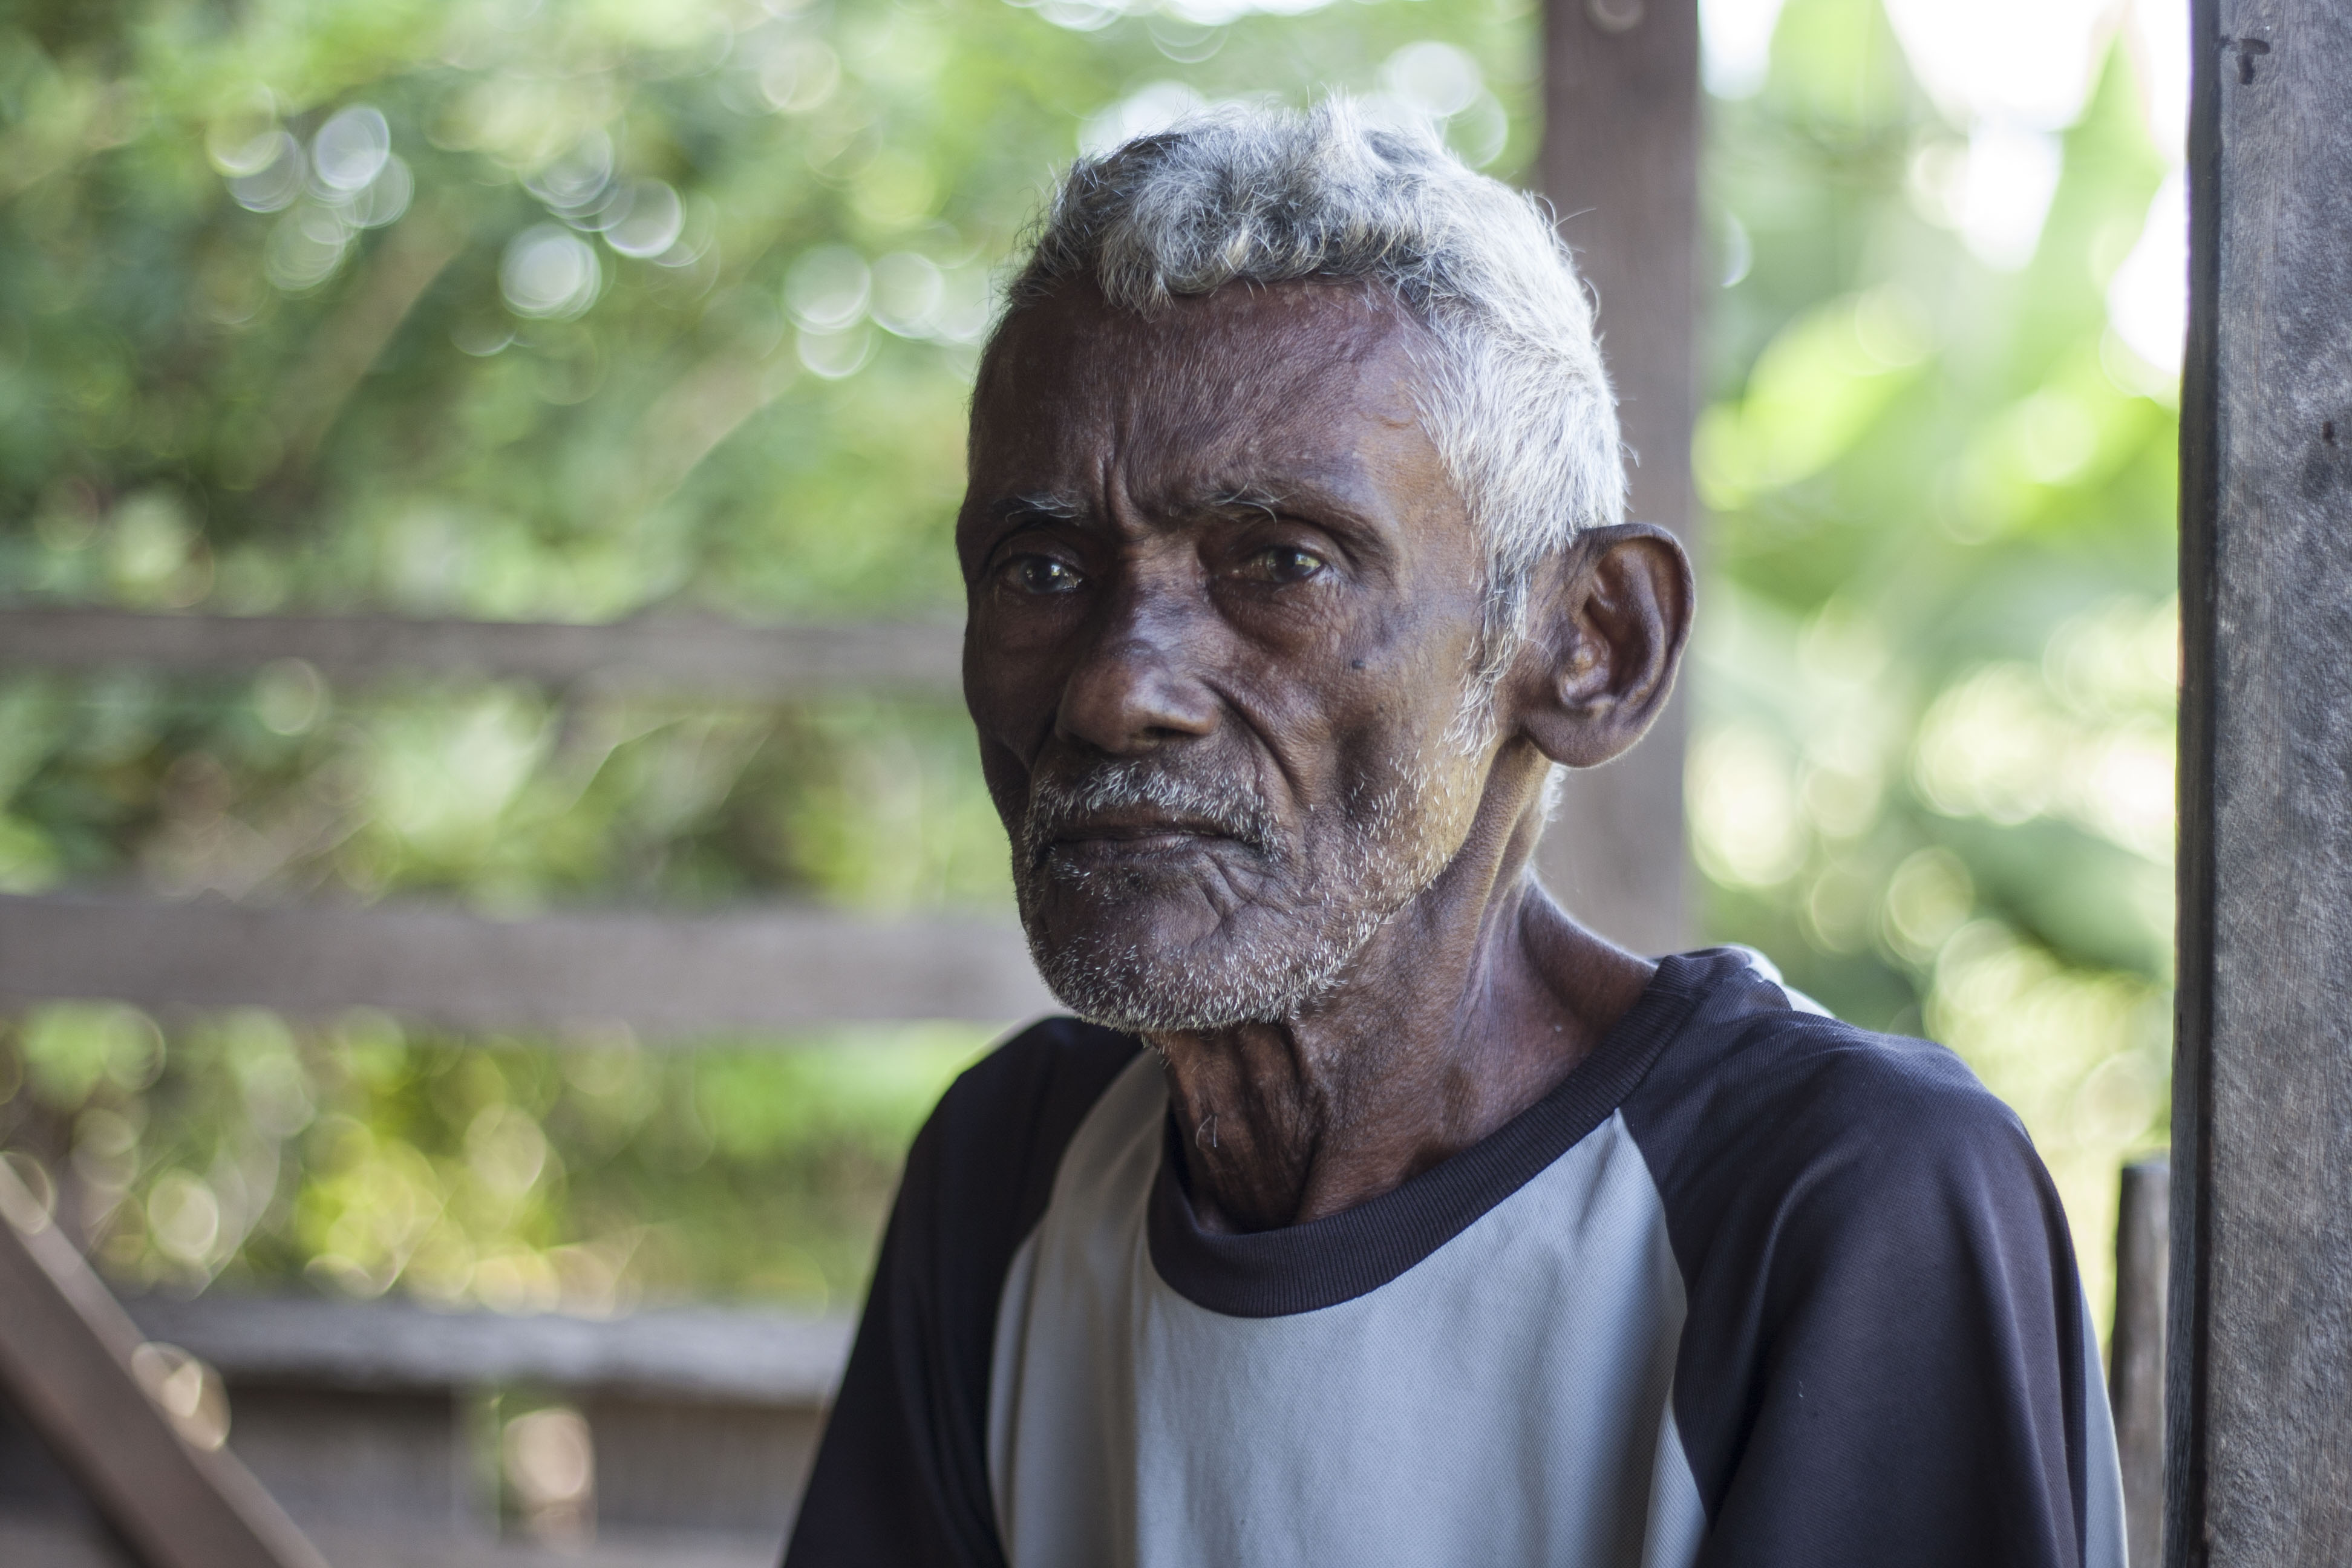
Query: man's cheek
[1008,785]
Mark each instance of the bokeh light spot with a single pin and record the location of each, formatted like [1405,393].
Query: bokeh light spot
[549,271]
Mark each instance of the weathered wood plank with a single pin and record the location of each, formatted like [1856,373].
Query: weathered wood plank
[2136,1351]
[703,657]
[2259,1397]
[668,974]
[413,1464]
[629,1549]
[733,1470]
[45,1543]
[686,1354]
[358,1415]
[66,1350]
[1619,161]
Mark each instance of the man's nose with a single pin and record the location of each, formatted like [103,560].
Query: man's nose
[1134,690]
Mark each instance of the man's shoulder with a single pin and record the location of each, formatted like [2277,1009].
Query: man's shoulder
[1762,1108]
[1864,1232]
[1748,1059]
[1801,1071]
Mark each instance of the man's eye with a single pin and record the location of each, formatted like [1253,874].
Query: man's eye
[1282,564]
[1043,574]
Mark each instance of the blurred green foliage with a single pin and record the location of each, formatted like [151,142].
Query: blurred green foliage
[1932,774]
[505,795]
[589,1178]
[560,311]
[578,311]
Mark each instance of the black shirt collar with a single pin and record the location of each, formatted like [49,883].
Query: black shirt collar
[1304,1267]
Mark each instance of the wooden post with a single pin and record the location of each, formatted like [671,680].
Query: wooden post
[1620,162]
[2259,1397]
[2136,1351]
[66,1350]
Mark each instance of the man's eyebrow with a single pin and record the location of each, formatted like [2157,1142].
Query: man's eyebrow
[1329,507]
[1250,498]
[1038,504]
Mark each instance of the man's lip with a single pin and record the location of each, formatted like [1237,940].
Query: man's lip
[1135,832]
[1127,837]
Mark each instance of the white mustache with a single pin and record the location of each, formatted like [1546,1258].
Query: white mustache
[1232,808]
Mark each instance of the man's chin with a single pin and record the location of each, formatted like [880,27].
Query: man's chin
[1130,967]
[1151,998]
[1153,908]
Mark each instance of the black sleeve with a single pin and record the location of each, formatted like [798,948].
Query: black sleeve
[901,1477]
[1886,1359]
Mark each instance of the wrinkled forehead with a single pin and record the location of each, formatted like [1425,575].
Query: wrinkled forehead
[1286,374]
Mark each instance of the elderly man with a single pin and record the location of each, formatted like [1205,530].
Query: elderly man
[1377,1212]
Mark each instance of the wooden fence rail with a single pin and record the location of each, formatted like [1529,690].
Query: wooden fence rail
[701,656]
[665,974]
[723,1354]
[668,974]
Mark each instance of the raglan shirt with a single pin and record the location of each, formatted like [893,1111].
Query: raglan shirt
[1749,1287]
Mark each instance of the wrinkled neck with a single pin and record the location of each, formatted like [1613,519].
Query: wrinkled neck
[1469,1006]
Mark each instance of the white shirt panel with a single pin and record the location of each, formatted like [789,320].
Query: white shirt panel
[1503,1402]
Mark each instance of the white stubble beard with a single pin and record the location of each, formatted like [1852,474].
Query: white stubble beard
[1388,857]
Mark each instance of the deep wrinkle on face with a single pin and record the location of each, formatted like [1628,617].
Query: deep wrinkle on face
[1212,555]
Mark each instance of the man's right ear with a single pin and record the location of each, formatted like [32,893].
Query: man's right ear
[1606,631]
